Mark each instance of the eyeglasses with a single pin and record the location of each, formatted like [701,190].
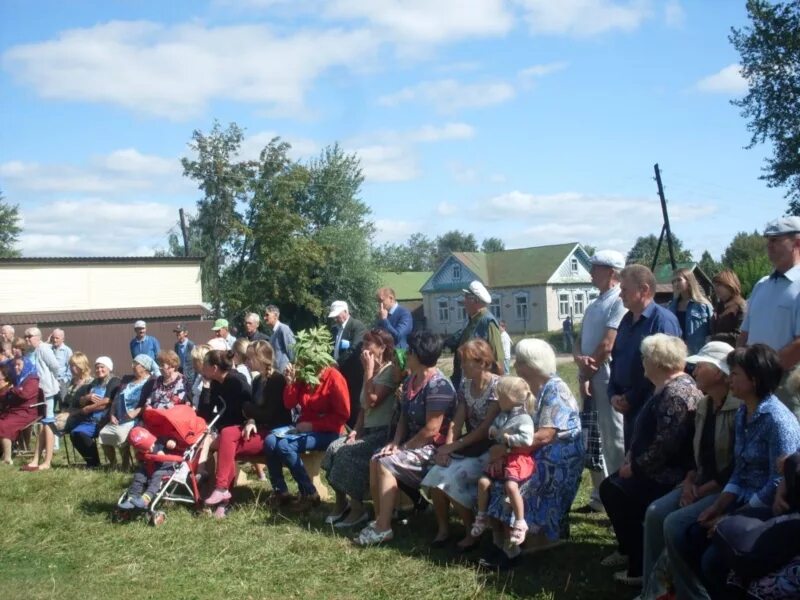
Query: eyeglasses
[27,337]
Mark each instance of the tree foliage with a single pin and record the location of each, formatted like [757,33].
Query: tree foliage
[274,230]
[493,244]
[708,265]
[644,249]
[770,58]
[743,247]
[9,228]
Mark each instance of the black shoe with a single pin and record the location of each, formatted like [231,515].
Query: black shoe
[500,563]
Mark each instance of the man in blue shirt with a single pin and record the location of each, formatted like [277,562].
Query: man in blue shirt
[392,317]
[145,344]
[282,339]
[62,353]
[183,348]
[628,388]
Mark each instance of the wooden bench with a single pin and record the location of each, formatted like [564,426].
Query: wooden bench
[313,464]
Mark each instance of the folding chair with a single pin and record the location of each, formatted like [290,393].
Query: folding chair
[21,447]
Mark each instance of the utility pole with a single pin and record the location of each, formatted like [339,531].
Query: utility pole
[184,232]
[665,229]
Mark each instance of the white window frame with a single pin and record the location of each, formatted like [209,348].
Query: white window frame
[443,309]
[573,265]
[457,272]
[461,312]
[496,306]
[521,311]
[563,302]
[578,301]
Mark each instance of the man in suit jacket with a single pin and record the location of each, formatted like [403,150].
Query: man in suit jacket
[347,335]
[392,317]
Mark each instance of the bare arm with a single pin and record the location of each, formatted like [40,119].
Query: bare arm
[789,355]
[433,424]
[603,351]
[742,339]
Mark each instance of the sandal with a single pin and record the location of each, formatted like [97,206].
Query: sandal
[518,531]
[372,537]
[336,517]
[479,525]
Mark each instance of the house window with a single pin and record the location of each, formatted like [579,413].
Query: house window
[461,314]
[521,305]
[573,265]
[456,272]
[563,305]
[578,304]
[444,310]
[495,306]
[592,297]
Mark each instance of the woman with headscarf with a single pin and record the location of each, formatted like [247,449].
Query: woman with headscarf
[19,391]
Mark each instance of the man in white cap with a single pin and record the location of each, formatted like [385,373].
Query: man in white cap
[773,309]
[592,354]
[143,343]
[347,335]
[482,324]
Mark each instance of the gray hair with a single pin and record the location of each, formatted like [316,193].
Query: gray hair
[7,328]
[273,310]
[58,330]
[664,351]
[33,331]
[538,355]
[252,317]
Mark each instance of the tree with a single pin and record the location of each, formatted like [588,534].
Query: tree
[454,241]
[9,228]
[644,250]
[708,265]
[589,249]
[770,61]
[744,247]
[492,244]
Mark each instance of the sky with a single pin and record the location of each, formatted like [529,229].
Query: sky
[534,121]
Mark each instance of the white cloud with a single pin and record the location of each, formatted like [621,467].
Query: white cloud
[583,18]
[393,230]
[175,71]
[726,81]
[446,209]
[674,14]
[462,173]
[252,145]
[535,71]
[449,95]
[381,163]
[448,131]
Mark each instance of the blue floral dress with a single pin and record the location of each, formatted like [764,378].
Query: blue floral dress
[548,495]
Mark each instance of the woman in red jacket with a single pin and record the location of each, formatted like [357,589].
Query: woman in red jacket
[324,409]
[19,391]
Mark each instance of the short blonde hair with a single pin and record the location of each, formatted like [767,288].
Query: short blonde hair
[664,351]
[199,353]
[538,355]
[81,362]
[517,390]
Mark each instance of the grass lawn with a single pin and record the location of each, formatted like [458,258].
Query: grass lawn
[57,541]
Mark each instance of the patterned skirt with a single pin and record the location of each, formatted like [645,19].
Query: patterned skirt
[459,479]
[347,465]
[410,466]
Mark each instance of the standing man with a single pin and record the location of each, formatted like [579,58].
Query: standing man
[392,317]
[143,343]
[592,354]
[7,332]
[183,348]
[773,309]
[47,369]
[251,332]
[568,333]
[62,353]
[482,323]
[347,335]
[505,339]
[282,339]
[628,388]
[221,330]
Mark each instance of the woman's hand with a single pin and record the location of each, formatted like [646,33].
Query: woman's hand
[387,450]
[709,516]
[351,437]
[688,494]
[289,373]
[303,427]
[248,430]
[442,456]
[497,452]
[780,505]
[620,404]
[368,362]
[114,420]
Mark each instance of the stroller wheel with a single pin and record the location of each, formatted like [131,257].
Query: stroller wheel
[158,518]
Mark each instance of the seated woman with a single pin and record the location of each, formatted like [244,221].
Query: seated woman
[558,452]
[765,430]
[347,459]
[200,385]
[125,407]
[660,451]
[78,387]
[427,406]
[712,466]
[19,391]
[169,388]
[324,407]
[462,460]
[93,408]
[264,412]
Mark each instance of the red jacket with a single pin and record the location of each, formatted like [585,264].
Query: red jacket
[327,407]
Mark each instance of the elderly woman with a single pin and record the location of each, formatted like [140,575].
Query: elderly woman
[557,450]
[324,407]
[726,324]
[692,308]
[79,385]
[93,407]
[427,407]
[19,391]
[264,412]
[169,388]
[462,460]
[765,430]
[660,452]
[712,466]
[347,459]
[125,407]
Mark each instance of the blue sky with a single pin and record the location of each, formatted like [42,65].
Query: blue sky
[531,120]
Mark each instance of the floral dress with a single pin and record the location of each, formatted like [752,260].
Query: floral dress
[548,494]
[167,395]
[459,479]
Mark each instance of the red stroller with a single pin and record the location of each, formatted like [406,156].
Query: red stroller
[181,424]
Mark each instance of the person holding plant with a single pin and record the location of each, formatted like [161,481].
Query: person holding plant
[319,392]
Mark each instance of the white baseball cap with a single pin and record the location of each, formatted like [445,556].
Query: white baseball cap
[608,258]
[477,289]
[715,353]
[140,325]
[337,308]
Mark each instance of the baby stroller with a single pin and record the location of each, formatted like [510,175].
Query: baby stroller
[188,430]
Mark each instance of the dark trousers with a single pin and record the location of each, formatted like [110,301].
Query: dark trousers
[86,446]
[626,501]
[142,483]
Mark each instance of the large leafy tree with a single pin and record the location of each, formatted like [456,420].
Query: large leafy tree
[744,247]
[9,228]
[770,57]
[493,244]
[644,249]
[454,241]
[708,265]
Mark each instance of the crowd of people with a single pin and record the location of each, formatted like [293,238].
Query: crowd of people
[687,415]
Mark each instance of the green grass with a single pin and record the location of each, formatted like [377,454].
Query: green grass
[58,541]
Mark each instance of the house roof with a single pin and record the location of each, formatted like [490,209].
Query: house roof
[71,260]
[523,266]
[663,274]
[406,284]
[106,315]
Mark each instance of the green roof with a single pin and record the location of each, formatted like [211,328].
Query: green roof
[406,285]
[523,266]
[663,273]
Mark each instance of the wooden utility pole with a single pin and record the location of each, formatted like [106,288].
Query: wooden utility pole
[184,232]
[665,229]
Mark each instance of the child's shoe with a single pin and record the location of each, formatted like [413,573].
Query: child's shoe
[126,504]
[141,502]
[218,496]
[479,526]
[518,532]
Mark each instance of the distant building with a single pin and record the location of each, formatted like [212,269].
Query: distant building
[533,289]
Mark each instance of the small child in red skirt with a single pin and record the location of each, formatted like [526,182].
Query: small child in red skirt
[514,429]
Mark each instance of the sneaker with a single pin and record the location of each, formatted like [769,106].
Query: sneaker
[625,579]
[126,505]
[372,537]
[220,512]
[479,526]
[218,496]
[336,517]
[140,502]
[614,560]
